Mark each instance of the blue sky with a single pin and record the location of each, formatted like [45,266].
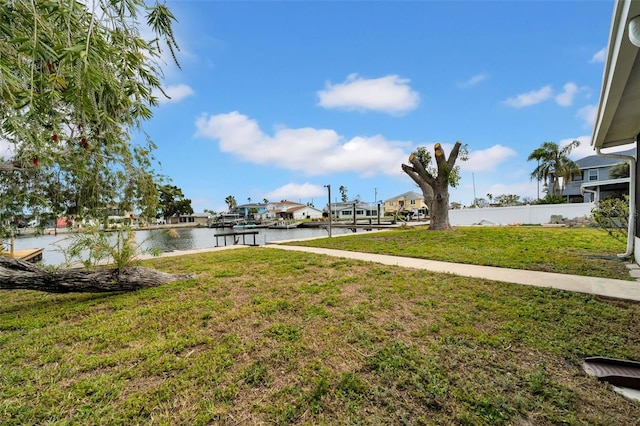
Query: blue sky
[276,99]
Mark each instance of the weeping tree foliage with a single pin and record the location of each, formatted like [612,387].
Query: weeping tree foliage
[434,181]
[77,78]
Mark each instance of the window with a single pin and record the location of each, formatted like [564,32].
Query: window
[359,212]
[346,213]
[593,174]
[391,203]
[413,202]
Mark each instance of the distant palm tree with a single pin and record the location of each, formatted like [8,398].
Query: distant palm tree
[264,200]
[231,201]
[343,193]
[554,163]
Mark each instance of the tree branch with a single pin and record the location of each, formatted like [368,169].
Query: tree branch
[8,166]
[453,155]
[427,189]
[418,168]
[16,274]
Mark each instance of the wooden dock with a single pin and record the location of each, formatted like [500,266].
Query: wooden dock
[29,255]
[235,237]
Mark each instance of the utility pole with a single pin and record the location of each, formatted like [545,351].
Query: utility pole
[475,199]
[329,198]
[538,179]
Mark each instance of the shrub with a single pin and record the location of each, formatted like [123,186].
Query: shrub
[552,199]
[612,216]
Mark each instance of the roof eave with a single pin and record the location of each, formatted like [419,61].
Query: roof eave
[620,59]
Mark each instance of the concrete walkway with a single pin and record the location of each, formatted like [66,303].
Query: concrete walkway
[606,287]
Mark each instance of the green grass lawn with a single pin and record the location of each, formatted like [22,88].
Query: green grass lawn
[265,336]
[580,251]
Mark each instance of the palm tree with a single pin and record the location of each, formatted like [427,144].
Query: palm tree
[231,201]
[554,163]
[343,193]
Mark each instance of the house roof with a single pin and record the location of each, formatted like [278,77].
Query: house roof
[410,195]
[618,114]
[295,209]
[249,205]
[196,214]
[284,203]
[594,161]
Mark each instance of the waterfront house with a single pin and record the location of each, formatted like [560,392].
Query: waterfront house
[195,219]
[409,201]
[281,209]
[594,182]
[250,211]
[346,210]
[306,212]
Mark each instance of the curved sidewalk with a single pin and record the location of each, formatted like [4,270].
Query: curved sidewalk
[606,287]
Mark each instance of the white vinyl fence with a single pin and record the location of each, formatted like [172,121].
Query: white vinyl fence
[528,214]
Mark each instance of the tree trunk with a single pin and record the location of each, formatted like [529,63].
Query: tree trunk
[17,274]
[435,189]
[439,214]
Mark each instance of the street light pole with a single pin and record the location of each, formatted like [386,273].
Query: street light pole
[329,198]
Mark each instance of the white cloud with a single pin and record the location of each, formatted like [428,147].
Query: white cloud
[600,55]
[295,191]
[530,98]
[311,151]
[584,150]
[588,114]
[473,81]
[390,94]
[487,159]
[176,93]
[566,98]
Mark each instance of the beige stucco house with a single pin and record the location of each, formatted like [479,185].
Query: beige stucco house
[409,202]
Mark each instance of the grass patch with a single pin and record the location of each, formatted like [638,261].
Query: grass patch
[265,336]
[579,251]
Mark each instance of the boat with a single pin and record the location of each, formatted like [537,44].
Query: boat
[284,224]
[244,225]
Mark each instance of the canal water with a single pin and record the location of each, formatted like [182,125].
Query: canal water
[186,239]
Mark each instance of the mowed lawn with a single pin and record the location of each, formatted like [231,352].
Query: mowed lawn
[265,336]
[580,251]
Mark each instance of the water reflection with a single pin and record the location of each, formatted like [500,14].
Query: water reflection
[182,239]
